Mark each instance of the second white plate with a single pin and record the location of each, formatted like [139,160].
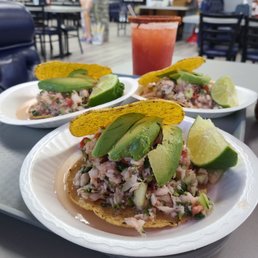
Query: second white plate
[246,98]
[14,98]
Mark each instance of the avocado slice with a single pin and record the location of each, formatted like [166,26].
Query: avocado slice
[78,73]
[138,140]
[165,158]
[81,73]
[173,75]
[114,132]
[194,78]
[67,84]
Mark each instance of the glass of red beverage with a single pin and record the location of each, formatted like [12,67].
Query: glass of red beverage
[153,41]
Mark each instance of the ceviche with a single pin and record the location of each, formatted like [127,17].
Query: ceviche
[74,90]
[188,88]
[138,171]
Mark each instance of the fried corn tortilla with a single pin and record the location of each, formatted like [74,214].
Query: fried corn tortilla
[188,64]
[90,122]
[111,215]
[59,69]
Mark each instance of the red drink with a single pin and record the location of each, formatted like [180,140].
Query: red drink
[153,40]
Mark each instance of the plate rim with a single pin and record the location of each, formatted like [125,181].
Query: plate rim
[253,97]
[104,243]
[15,121]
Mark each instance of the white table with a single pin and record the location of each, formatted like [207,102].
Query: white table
[20,239]
[165,8]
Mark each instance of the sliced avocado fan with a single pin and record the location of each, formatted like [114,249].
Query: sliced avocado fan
[165,158]
[67,84]
[114,132]
[137,141]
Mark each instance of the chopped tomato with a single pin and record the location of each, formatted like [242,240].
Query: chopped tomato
[196,209]
[69,102]
[206,87]
[83,142]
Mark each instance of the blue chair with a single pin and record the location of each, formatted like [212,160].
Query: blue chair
[18,55]
[218,34]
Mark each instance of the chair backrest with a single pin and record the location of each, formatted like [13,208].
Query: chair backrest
[218,34]
[17,53]
[250,43]
[16,25]
[212,6]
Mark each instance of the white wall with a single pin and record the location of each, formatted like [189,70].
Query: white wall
[230,5]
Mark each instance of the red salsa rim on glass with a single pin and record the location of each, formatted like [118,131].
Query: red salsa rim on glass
[154,18]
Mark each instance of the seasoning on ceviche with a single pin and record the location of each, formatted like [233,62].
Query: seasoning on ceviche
[136,170]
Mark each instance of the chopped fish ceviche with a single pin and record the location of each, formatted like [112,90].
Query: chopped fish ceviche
[185,93]
[56,103]
[114,184]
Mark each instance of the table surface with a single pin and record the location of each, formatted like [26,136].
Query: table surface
[193,19]
[170,8]
[15,144]
[56,8]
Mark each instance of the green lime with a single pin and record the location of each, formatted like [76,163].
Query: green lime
[208,148]
[224,92]
[108,88]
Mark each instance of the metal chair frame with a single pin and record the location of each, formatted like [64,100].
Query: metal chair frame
[250,43]
[218,34]
[43,29]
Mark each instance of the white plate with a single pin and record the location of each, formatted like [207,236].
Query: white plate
[235,197]
[246,98]
[12,99]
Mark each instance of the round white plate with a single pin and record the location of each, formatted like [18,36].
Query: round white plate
[246,98]
[235,198]
[12,99]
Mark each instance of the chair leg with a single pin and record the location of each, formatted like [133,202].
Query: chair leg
[51,46]
[66,40]
[42,47]
[80,44]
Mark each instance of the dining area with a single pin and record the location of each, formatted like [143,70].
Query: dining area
[60,20]
[226,33]
[102,93]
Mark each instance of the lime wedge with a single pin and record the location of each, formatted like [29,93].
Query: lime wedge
[108,88]
[224,92]
[208,148]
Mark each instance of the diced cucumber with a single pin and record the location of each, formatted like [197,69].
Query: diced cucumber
[140,195]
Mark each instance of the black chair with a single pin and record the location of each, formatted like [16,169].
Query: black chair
[250,43]
[218,34]
[245,11]
[71,24]
[18,55]
[44,29]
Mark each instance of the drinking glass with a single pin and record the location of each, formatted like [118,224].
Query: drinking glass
[153,41]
